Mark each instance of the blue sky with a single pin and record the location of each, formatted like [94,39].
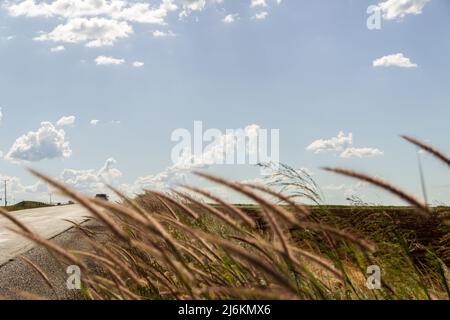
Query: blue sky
[308,68]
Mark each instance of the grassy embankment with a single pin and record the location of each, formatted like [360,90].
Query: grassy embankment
[26,205]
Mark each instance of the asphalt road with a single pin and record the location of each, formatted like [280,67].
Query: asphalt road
[47,222]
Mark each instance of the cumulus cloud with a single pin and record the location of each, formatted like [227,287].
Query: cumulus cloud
[343,145]
[95,32]
[163,34]
[17,188]
[338,143]
[261,15]
[66,121]
[92,181]
[57,49]
[94,22]
[161,181]
[398,9]
[88,181]
[109,172]
[230,18]
[334,187]
[46,143]
[258,3]
[346,189]
[141,12]
[361,153]
[188,6]
[98,23]
[138,64]
[216,153]
[104,60]
[394,60]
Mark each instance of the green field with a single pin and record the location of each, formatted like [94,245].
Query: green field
[383,224]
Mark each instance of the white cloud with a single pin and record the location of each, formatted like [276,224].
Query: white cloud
[128,10]
[109,172]
[94,122]
[92,181]
[338,143]
[398,9]
[230,18]
[342,144]
[217,151]
[188,6]
[96,22]
[6,38]
[258,3]
[187,161]
[57,49]
[141,12]
[361,152]
[138,64]
[163,34]
[95,32]
[17,188]
[334,187]
[394,60]
[193,5]
[168,178]
[103,60]
[66,121]
[346,190]
[261,15]
[46,143]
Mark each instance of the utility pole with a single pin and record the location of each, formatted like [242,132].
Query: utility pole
[50,194]
[422,176]
[6,201]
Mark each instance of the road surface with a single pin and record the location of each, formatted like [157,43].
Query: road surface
[47,222]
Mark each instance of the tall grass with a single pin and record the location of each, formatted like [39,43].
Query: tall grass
[192,244]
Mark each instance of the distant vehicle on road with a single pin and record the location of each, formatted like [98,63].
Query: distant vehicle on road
[102,196]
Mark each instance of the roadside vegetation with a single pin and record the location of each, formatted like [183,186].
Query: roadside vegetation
[27,205]
[190,244]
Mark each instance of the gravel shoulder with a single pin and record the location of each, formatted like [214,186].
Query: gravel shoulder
[18,280]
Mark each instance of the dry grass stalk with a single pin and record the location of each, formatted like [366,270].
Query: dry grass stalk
[428,148]
[210,209]
[40,272]
[176,203]
[423,208]
[157,252]
[86,203]
[300,208]
[286,215]
[230,208]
